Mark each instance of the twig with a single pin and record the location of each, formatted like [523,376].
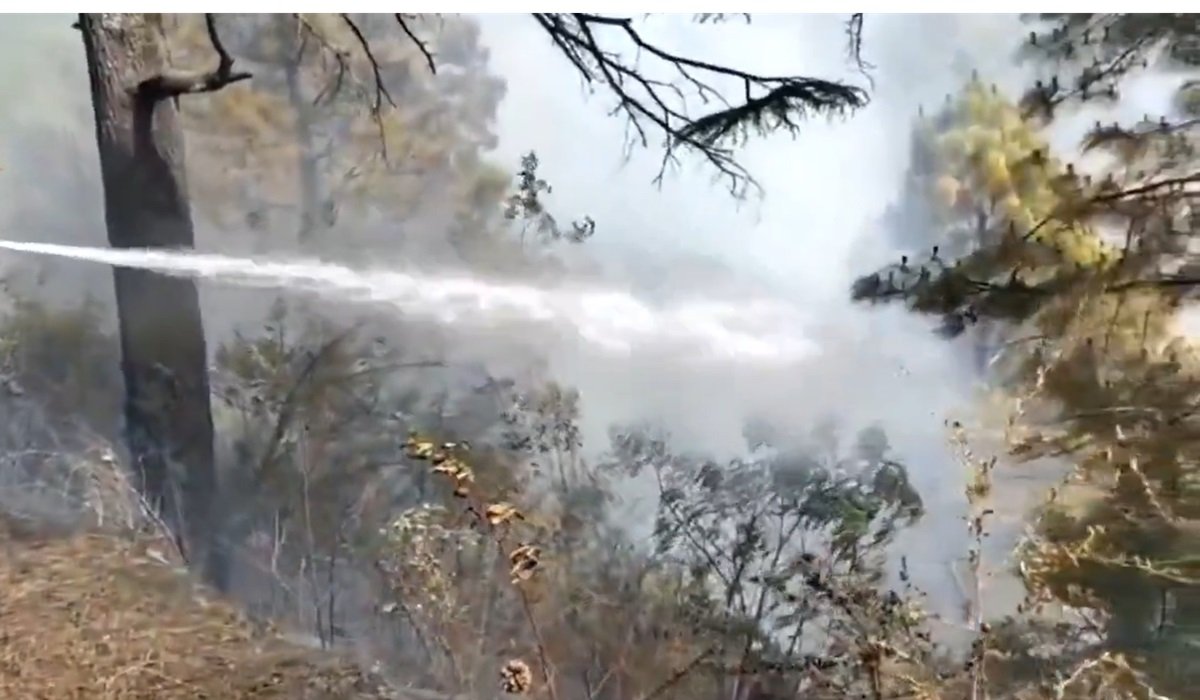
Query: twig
[854,32]
[679,674]
[339,54]
[421,45]
[288,407]
[381,91]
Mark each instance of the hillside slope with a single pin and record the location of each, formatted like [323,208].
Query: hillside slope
[97,616]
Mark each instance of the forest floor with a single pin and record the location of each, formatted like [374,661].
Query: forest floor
[103,617]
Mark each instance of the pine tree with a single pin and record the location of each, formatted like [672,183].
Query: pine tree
[1085,267]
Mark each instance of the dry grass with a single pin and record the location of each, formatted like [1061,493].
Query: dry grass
[106,617]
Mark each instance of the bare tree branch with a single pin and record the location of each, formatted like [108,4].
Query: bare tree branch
[718,17]
[421,45]
[1118,195]
[1148,188]
[769,103]
[854,32]
[381,91]
[172,83]
[340,56]
[290,403]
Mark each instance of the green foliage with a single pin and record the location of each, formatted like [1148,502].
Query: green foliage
[1085,272]
[307,146]
[783,543]
[1002,217]
[60,402]
[765,573]
[498,548]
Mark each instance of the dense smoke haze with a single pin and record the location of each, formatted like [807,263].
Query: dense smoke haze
[815,228]
[803,241]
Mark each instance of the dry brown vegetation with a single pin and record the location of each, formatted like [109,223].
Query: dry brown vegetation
[103,616]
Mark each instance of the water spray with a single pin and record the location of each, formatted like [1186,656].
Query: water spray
[744,331]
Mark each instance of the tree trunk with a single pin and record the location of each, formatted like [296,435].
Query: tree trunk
[310,181]
[168,423]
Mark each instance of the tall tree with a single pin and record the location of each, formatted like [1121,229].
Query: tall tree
[1086,266]
[168,422]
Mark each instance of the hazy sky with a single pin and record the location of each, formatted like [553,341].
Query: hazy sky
[823,188]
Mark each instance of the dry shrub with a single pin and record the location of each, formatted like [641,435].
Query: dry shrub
[68,492]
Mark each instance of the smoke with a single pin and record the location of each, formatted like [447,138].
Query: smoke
[803,242]
[814,230]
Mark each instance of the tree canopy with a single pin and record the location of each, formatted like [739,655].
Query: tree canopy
[1086,269]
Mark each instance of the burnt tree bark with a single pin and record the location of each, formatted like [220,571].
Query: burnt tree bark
[168,420]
